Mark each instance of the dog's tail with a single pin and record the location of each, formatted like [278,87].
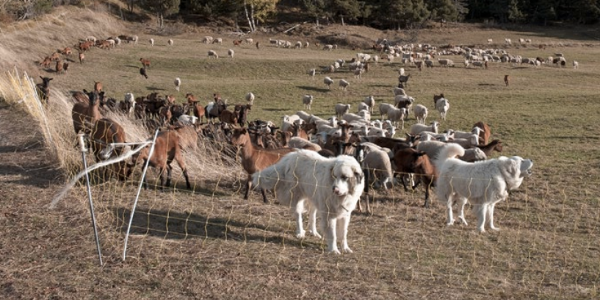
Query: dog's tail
[450,150]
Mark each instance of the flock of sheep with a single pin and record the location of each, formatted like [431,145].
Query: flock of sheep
[387,159]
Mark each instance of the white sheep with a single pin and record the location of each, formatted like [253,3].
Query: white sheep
[170,42]
[230,52]
[471,141]
[343,84]
[207,39]
[312,72]
[177,83]
[370,102]
[250,98]
[383,108]
[328,81]
[307,100]
[442,105]
[398,91]
[396,115]
[300,143]
[303,115]
[416,129]
[341,109]
[446,62]
[575,64]
[212,53]
[365,114]
[328,47]
[378,163]
[130,99]
[151,42]
[362,106]
[420,113]
[401,71]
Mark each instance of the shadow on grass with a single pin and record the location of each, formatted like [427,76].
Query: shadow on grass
[175,225]
[313,88]
[152,88]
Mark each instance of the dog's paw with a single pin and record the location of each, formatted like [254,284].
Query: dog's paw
[464,221]
[494,228]
[301,234]
[347,250]
[334,250]
[316,234]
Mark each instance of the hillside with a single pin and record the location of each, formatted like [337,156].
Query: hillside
[208,243]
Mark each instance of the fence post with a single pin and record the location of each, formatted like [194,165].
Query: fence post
[137,196]
[89,191]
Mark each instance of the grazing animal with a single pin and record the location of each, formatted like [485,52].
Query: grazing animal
[65,67]
[105,132]
[332,187]
[255,159]
[230,52]
[85,114]
[97,86]
[411,161]
[307,100]
[167,148]
[177,83]
[143,72]
[484,183]
[151,42]
[59,67]
[81,57]
[145,62]
[506,80]
[328,81]
[170,42]
[44,89]
[212,53]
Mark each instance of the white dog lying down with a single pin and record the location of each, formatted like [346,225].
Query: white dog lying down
[332,185]
[485,183]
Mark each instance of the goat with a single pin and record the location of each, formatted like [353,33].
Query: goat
[84,114]
[489,148]
[44,89]
[484,134]
[409,160]
[145,62]
[253,158]
[167,148]
[105,132]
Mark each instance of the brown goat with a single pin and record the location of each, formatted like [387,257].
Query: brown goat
[484,135]
[97,86]
[85,114]
[107,131]
[145,62]
[409,161]
[228,116]
[255,159]
[59,67]
[167,148]
[495,145]
[44,88]
[46,62]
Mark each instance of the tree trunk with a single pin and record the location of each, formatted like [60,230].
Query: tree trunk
[252,17]
[248,17]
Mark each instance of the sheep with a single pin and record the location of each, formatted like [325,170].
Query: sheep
[151,42]
[370,102]
[420,113]
[44,89]
[341,109]
[328,82]
[468,142]
[384,107]
[416,129]
[401,71]
[230,52]
[177,83]
[254,159]
[212,53]
[398,91]
[249,41]
[207,39]
[396,115]
[362,106]
[446,62]
[168,147]
[490,41]
[170,42]
[312,72]
[217,41]
[403,101]
[575,64]
[129,103]
[377,162]
[328,47]
[473,155]
[343,84]
[307,100]
[85,114]
[442,105]
[250,98]
[437,97]
[365,115]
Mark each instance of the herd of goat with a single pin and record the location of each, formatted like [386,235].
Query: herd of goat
[386,159]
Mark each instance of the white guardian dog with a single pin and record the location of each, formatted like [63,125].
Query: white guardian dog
[331,185]
[484,183]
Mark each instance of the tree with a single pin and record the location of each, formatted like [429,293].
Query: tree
[442,10]
[163,8]
[259,11]
[514,13]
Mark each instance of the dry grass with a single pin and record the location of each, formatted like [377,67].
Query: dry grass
[209,243]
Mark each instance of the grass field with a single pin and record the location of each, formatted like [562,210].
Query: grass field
[209,243]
